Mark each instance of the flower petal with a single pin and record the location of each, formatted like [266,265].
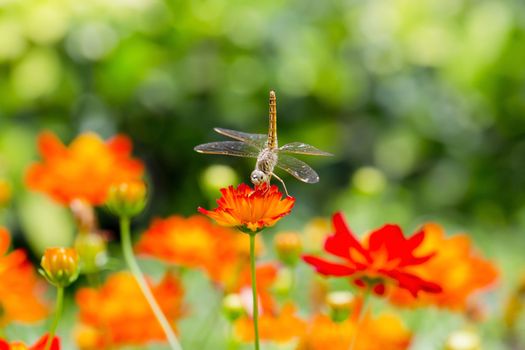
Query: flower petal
[41,343]
[343,239]
[328,268]
[413,283]
[50,146]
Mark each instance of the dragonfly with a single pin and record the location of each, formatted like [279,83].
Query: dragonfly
[264,148]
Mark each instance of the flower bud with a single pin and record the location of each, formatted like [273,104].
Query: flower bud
[466,339]
[92,250]
[60,266]
[288,247]
[284,282]
[127,199]
[232,307]
[340,304]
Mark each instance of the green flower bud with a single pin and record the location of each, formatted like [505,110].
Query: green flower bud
[127,199]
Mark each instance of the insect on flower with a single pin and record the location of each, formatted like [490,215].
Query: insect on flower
[267,152]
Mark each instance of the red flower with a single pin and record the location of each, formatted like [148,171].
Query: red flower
[250,210]
[39,345]
[386,256]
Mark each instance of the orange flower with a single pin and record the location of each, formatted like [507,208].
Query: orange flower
[39,345]
[191,242]
[85,170]
[19,286]
[250,210]
[461,271]
[195,242]
[383,332]
[117,313]
[281,327]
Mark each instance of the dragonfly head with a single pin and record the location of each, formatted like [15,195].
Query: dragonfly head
[258,177]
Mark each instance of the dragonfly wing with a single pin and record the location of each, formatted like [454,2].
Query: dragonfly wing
[303,148]
[257,140]
[230,148]
[297,168]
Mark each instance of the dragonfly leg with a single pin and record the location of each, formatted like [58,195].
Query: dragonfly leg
[284,186]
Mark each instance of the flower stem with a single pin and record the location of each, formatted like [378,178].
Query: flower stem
[58,312]
[254,291]
[362,313]
[139,277]
[231,342]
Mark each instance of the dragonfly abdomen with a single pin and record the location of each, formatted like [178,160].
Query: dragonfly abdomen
[272,128]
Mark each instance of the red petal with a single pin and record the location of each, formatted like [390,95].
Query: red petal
[360,283]
[416,260]
[203,211]
[328,268]
[413,283]
[379,289]
[4,345]
[343,239]
[412,244]
[120,144]
[414,241]
[41,344]
[389,236]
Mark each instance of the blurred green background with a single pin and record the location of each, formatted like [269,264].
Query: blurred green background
[422,103]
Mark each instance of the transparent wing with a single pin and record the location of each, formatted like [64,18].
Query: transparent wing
[230,148]
[303,148]
[256,140]
[297,168]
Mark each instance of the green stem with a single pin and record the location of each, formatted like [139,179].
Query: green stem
[58,312]
[232,343]
[362,313]
[254,291]
[137,273]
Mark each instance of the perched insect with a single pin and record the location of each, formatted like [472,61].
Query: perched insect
[266,150]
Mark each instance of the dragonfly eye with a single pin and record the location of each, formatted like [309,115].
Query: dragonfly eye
[257,177]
